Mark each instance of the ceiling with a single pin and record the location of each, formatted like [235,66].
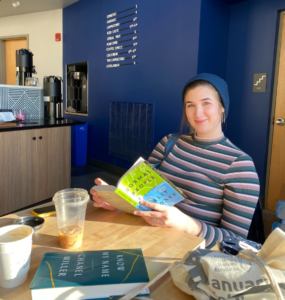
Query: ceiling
[31,6]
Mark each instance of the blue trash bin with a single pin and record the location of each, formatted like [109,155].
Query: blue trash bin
[79,135]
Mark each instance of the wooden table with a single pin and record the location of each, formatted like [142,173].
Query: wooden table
[112,230]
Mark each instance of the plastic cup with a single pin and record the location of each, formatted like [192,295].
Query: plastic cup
[15,254]
[70,206]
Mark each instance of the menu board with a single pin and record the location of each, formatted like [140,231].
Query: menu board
[122,38]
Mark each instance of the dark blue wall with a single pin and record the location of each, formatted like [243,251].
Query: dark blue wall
[252,41]
[168,56]
[213,39]
[233,41]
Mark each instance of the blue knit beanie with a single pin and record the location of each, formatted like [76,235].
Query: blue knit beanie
[220,85]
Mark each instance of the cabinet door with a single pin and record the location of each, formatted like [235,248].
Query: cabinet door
[54,157]
[18,181]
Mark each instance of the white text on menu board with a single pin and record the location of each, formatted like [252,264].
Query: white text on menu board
[121,36]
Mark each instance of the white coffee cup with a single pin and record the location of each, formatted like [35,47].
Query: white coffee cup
[15,254]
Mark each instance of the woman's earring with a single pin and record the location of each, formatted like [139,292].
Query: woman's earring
[224,118]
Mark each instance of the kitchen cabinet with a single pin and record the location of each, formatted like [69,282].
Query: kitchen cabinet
[34,165]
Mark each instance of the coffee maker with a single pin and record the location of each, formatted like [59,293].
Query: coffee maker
[24,65]
[52,98]
[76,84]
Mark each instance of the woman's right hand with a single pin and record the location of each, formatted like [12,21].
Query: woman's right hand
[98,202]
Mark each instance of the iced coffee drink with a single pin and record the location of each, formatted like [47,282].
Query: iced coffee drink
[70,208]
[70,236]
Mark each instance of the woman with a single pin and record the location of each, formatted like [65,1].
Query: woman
[219,179]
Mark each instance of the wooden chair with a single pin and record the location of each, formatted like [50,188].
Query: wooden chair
[280,213]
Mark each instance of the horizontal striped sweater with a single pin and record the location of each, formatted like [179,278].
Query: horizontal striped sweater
[219,180]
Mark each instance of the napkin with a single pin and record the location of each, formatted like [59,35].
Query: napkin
[7,116]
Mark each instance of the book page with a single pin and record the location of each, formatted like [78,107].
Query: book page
[107,193]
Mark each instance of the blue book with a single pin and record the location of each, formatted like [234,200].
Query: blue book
[105,274]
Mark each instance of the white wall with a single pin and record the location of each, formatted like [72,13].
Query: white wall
[41,28]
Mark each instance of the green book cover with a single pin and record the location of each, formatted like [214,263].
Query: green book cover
[143,182]
[107,272]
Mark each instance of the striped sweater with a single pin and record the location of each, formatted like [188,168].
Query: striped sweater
[219,180]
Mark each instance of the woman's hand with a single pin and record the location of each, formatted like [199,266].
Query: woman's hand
[98,202]
[166,216]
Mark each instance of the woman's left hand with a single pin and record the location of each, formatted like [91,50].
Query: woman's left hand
[165,216]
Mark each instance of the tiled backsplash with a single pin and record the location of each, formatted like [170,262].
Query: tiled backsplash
[30,99]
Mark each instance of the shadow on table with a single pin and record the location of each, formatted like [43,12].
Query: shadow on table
[46,240]
[117,216]
[6,221]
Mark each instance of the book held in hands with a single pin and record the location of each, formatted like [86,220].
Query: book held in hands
[141,182]
[104,274]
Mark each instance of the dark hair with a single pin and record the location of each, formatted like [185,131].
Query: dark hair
[184,122]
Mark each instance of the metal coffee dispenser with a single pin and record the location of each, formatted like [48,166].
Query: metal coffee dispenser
[24,66]
[52,98]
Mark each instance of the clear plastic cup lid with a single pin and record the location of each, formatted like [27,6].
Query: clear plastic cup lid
[71,197]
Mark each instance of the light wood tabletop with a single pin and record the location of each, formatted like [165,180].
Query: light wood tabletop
[112,230]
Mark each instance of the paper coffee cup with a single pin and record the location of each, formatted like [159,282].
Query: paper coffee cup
[15,254]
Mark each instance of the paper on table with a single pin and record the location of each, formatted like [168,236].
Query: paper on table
[273,250]
[7,116]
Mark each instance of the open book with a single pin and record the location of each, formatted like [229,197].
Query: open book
[140,182]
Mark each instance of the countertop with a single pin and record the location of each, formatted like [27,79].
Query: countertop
[41,123]
[21,87]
